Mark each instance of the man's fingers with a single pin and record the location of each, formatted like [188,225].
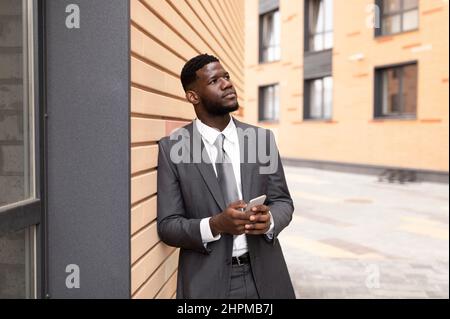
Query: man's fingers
[261,209]
[257,226]
[240,227]
[237,205]
[259,218]
[239,215]
[240,222]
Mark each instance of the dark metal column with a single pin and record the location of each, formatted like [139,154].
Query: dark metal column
[88,107]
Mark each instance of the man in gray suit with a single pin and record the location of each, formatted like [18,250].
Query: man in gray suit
[207,172]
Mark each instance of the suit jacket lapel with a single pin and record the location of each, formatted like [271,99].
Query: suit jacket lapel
[246,171]
[206,169]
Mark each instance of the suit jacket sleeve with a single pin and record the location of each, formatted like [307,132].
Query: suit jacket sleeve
[174,228]
[278,197]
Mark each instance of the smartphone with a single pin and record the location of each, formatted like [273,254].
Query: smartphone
[255,202]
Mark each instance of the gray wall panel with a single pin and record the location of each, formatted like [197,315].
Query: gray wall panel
[318,64]
[88,83]
[268,5]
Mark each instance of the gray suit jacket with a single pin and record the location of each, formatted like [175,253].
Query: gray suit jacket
[189,191]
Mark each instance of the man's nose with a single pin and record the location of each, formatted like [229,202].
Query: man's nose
[226,84]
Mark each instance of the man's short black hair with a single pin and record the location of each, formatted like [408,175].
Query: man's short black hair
[188,74]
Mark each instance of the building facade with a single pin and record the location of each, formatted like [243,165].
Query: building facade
[360,84]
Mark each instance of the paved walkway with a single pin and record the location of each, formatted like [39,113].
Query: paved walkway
[354,237]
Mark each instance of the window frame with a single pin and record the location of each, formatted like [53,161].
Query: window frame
[378,94]
[307,99]
[261,36]
[28,214]
[308,35]
[380,5]
[261,89]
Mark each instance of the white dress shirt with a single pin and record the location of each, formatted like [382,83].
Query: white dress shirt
[231,147]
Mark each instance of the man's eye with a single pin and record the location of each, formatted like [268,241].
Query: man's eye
[213,81]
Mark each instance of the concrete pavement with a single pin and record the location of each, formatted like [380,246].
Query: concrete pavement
[354,237]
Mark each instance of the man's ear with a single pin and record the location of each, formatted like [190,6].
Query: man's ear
[192,97]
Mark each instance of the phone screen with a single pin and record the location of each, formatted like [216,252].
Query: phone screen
[255,202]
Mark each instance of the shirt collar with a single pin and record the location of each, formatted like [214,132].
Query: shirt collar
[210,134]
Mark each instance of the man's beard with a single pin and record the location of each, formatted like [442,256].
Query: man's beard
[217,109]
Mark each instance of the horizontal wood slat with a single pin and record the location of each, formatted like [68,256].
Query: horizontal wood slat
[144,158]
[147,130]
[143,241]
[143,269]
[152,50]
[151,77]
[159,278]
[143,214]
[159,30]
[169,288]
[149,103]
[198,36]
[143,186]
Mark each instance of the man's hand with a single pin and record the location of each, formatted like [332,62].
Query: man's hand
[260,220]
[230,221]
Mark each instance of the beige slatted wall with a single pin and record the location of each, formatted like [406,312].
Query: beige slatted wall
[164,35]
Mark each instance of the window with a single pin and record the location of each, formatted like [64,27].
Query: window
[269,103]
[17,270]
[396,91]
[269,27]
[318,98]
[16,127]
[319,20]
[19,206]
[398,16]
